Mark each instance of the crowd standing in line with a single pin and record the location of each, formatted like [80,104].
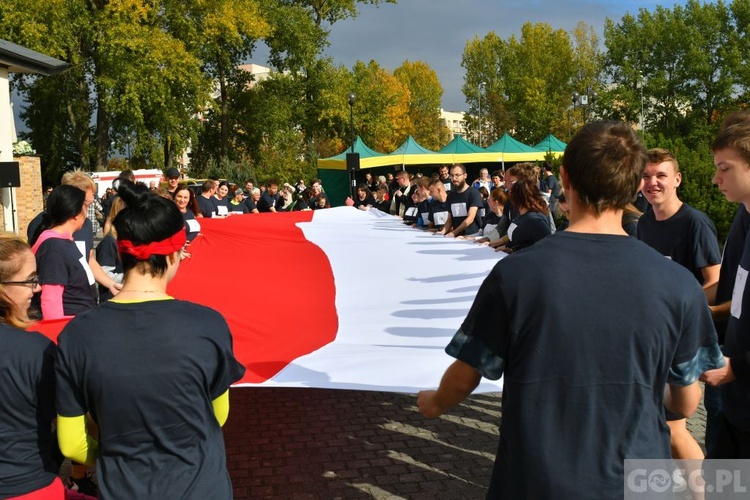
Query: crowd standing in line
[626,371]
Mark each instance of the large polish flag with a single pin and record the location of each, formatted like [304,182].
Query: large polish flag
[337,298]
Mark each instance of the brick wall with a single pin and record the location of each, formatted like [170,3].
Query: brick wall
[29,201]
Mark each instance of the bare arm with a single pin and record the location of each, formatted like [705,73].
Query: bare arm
[683,400]
[458,381]
[470,216]
[710,280]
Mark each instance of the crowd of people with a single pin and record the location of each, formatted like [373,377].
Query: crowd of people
[614,345]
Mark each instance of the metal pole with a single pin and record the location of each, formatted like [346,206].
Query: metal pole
[479,124]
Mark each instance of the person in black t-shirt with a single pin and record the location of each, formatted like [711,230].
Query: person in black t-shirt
[585,357]
[732,177]
[465,203]
[382,202]
[445,177]
[237,205]
[439,208]
[156,379]
[686,236]
[220,199]
[269,199]
[66,280]
[364,200]
[205,200]
[252,201]
[532,223]
[28,462]
[106,252]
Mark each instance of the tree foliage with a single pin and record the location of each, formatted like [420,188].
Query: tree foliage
[528,80]
[424,103]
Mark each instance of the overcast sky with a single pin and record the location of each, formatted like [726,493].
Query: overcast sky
[436,31]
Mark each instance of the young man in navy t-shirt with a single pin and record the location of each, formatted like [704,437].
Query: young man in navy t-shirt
[732,159]
[464,202]
[585,375]
[686,236]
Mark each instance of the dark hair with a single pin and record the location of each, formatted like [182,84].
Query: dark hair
[526,195]
[63,203]
[735,136]
[146,218]
[604,163]
[484,192]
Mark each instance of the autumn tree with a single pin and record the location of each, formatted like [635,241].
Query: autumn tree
[424,105]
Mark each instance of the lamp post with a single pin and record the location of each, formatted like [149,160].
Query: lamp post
[584,101]
[127,146]
[352,159]
[479,125]
[352,98]
[640,81]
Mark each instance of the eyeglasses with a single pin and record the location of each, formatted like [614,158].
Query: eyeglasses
[32,283]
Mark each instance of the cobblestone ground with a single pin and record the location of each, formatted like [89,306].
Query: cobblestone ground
[326,444]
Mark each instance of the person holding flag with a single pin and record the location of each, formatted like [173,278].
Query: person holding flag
[156,379]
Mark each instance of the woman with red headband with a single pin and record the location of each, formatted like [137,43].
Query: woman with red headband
[154,372]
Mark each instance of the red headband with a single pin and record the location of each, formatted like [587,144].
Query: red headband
[164,247]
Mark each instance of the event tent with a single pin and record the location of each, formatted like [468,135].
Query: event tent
[551,144]
[463,151]
[368,158]
[411,153]
[514,150]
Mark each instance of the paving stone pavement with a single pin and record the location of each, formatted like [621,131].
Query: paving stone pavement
[335,444]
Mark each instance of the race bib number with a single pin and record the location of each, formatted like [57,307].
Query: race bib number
[193,226]
[426,218]
[511,229]
[222,210]
[85,261]
[458,210]
[411,212]
[739,292]
[481,212]
[440,218]
[488,229]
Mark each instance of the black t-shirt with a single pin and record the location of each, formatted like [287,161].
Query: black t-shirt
[301,205]
[688,238]
[59,262]
[736,394]
[192,226]
[250,204]
[733,249]
[27,392]
[384,206]
[490,222]
[584,376]
[527,229]
[206,206]
[148,380]
[107,257]
[369,200]
[222,206]
[266,202]
[510,210]
[239,208]
[439,211]
[423,212]
[85,234]
[460,203]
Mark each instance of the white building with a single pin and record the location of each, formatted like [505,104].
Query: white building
[453,121]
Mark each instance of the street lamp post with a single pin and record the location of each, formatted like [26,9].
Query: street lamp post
[352,158]
[584,101]
[481,86]
[127,147]
[642,120]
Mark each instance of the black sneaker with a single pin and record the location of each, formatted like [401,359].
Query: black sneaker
[84,486]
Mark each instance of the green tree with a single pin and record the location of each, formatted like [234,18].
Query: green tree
[424,105]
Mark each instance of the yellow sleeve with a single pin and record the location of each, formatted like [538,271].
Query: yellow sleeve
[221,408]
[74,441]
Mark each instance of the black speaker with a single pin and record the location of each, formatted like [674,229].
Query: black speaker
[352,161]
[10,175]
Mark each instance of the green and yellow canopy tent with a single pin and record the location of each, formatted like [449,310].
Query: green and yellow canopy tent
[368,158]
[551,144]
[463,151]
[412,153]
[515,151]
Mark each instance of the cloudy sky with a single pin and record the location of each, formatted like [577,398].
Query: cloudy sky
[436,31]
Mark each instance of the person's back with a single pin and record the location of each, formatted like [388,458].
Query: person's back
[582,391]
[166,424]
